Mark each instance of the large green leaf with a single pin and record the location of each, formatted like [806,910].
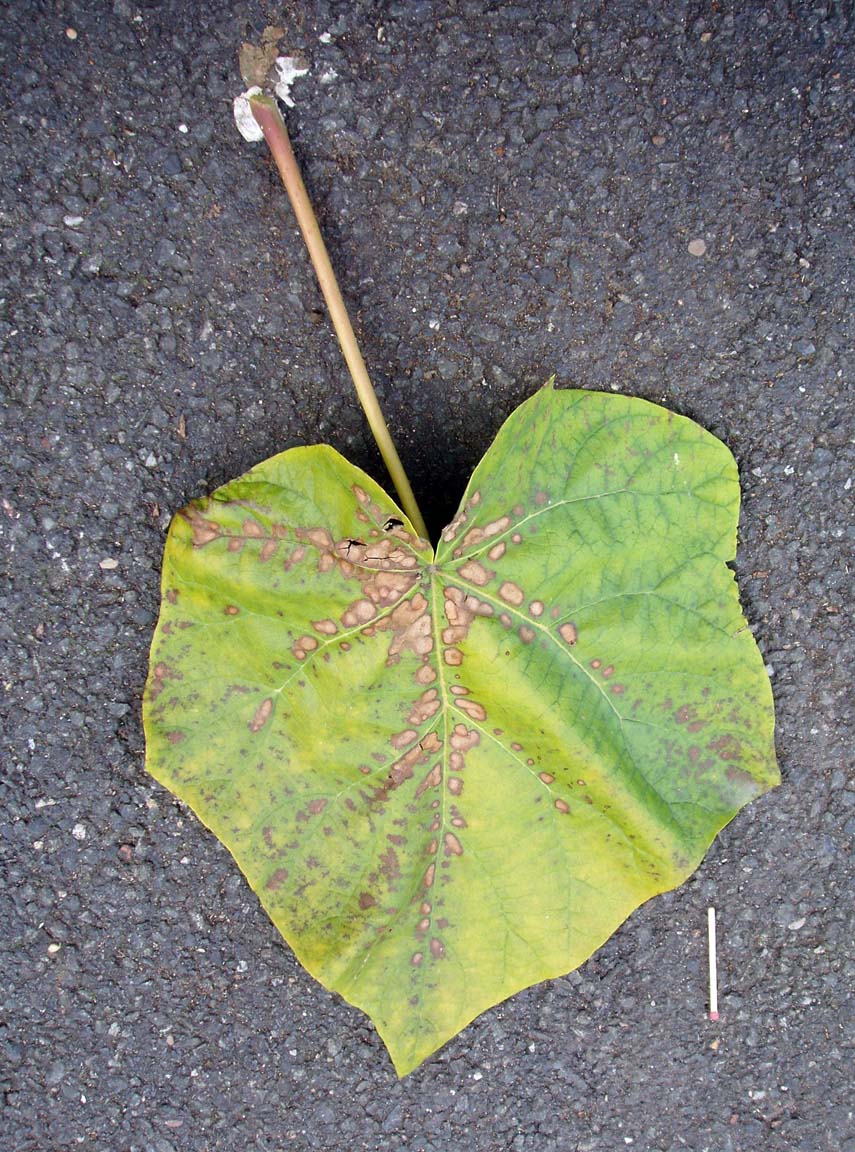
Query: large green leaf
[448,777]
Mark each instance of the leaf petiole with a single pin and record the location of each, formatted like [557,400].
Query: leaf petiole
[266,113]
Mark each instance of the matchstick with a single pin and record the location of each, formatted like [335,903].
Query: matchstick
[713,972]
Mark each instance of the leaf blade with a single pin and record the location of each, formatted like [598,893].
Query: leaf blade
[569,681]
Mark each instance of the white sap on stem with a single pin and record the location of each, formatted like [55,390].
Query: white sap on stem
[288,71]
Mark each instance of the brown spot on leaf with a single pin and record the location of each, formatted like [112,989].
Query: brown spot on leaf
[429,876]
[476,573]
[267,550]
[497,526]
[568,633]
[453,847]
[472,709]
[204,531]
[425,674]
[325,627]
[262,715]
[453,657]
[366,901]
[505,620]
[360,612]
[526,634]
[497,551]
[562,805]
[175,737]
[595,664]
[618,689]
[427,705]
[727,747]
[546,777]
[403,739]
[516,538]
[317,536]
[172,595]
[430,743]
[296,556]
[610,671]
[511,593]
[540,498]
[416,959]
[463,739]
[276,879]
[430,781]
[389,865]
[437,948]
[473,536]
[236,544]
[455,785]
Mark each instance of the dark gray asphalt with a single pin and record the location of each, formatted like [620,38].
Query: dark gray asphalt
[508,191]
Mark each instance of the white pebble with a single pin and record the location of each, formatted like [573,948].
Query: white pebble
[697,247]
[79,831]
[108,563]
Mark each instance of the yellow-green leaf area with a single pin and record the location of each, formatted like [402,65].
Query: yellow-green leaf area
[450,776]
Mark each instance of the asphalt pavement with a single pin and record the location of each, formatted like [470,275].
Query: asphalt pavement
[652,198]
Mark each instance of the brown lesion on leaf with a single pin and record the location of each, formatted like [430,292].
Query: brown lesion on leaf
[276,879]
[476,573]
[325,627]
[410,625]
[437,948]
[159,675]
[303,646]
[568,633]
[204,531]
[473,710]
[262,714]
[464,739]
[294,558]
[360,612]
[403,739]
[427,705]
[390,866]
[726,747]
[432,780]
[511,593]
[453,847]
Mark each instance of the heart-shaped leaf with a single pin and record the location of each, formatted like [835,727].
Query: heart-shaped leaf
[449,777]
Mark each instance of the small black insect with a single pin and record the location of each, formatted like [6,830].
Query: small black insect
[391,523]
